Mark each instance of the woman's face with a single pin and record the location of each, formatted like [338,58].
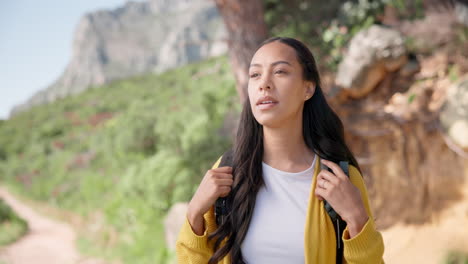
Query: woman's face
[277,90]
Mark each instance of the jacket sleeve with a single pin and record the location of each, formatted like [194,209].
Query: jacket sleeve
[192,248]
[367,246]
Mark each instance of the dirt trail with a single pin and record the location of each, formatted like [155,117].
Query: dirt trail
[53,242]
[47,242]
[429,243]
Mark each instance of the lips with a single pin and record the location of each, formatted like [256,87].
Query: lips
[266,100]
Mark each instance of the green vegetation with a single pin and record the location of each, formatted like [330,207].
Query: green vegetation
[354,17]
[120,155]
[456,257]
[127,151]
[12,226]
[329,28]
[410,10]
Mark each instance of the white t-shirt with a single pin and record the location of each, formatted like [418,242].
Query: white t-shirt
[276,231]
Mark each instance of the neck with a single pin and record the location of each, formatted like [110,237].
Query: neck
[285,148]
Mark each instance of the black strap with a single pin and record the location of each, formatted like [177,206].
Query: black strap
[338,224]
[221,206]
[222,209]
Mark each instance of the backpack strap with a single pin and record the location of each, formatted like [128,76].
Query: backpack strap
[221,207]
[338,224]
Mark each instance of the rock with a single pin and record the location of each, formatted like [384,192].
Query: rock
[410,173]
[405,158]
[423,36]
[454,114]
[173,222]
[138,38]
[411,67]
[461,12]
[372,53]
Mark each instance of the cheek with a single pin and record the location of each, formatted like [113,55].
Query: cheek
[292,100]
[251,96]
[250,88]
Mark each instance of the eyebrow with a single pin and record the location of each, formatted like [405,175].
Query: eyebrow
[273,64]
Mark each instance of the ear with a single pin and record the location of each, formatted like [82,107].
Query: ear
[309,91]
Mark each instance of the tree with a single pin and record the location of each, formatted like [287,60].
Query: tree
[246,30]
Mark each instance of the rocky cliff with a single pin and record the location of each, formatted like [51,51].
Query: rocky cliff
[133,39]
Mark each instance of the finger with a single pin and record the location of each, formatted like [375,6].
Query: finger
[328,176]
[335,168]
[224,169]
[321,194]
[324,184]
[224,191]
[320,183]
[224,182]
[219,175]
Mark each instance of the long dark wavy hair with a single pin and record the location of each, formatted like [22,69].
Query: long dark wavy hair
[323,134]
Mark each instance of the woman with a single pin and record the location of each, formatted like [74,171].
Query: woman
[276,189]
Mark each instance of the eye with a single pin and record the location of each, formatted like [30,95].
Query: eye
[280,72]
[253,75]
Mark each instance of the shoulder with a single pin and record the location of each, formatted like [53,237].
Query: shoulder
[356,178]
[353,171]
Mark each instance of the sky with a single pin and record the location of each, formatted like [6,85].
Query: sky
[36,43]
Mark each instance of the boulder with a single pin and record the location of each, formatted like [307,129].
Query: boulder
[454,114]
[372,53]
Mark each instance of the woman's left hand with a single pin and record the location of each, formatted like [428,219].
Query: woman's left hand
[343,196]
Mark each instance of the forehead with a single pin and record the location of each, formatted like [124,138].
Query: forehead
[275,51]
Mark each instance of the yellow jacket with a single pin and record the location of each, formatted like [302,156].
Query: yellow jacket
[319,236]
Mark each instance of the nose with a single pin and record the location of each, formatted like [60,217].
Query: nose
[265,83]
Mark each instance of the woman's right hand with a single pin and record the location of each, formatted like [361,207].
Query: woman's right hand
[216,183]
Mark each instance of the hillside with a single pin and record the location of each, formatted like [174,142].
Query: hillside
[121,159]
[120,155]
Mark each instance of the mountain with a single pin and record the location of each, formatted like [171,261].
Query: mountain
[136,38]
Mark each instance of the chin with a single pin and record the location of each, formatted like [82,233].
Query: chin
[268,121]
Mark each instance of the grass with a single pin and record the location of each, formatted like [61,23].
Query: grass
[12,227]
[456,257]
[120,155]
